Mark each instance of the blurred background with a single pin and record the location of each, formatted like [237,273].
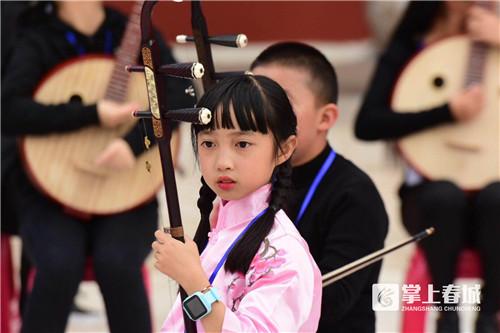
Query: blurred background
[350,34]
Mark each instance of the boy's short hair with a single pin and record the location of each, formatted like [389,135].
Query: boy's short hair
[293,54]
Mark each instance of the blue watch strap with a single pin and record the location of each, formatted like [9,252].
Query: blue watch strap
[212,295]
[207,299]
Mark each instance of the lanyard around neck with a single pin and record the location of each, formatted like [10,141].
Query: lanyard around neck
[73,40]
[224,257]
[317,180]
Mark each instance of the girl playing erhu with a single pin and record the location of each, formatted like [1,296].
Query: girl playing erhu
[255,272]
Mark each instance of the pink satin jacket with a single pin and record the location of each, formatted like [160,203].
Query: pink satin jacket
[281,292]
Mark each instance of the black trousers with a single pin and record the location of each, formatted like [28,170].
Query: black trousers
[58,245]
[461,220]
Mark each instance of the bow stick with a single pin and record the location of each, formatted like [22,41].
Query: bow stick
[356,265]
[161,118]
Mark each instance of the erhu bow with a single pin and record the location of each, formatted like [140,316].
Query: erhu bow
[162,118]
[371,258]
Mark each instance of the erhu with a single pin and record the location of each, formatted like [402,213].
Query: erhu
[162,117]
[159,113]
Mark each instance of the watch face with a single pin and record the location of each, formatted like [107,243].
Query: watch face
[195,307]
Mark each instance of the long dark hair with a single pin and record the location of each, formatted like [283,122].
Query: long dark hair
[418,19]
[259,105]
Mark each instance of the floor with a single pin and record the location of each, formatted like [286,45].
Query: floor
[374,158]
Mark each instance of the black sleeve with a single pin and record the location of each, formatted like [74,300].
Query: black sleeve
[359,227]
[176,98]
[376,120]
[21,115]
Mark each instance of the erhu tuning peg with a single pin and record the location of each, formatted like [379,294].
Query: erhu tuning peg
[134,68]
[201,116]
[143,114]
[189,70]
[239,41]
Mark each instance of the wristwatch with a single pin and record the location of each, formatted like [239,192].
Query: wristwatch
[199,304]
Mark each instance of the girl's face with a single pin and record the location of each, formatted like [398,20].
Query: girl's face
[235,163]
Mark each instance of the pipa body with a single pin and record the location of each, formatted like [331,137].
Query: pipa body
[62,164]
[466,153]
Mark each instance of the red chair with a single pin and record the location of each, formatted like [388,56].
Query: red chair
[468,267]
[9,313]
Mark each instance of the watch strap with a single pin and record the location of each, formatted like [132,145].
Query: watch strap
[212,295]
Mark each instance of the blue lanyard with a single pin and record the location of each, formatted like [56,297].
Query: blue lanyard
[224,257]
[108,42]
[321,173]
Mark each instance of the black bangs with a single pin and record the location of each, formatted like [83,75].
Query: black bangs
[241,93]
[255,102]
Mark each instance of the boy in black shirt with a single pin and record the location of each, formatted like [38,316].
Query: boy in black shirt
[334,205]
